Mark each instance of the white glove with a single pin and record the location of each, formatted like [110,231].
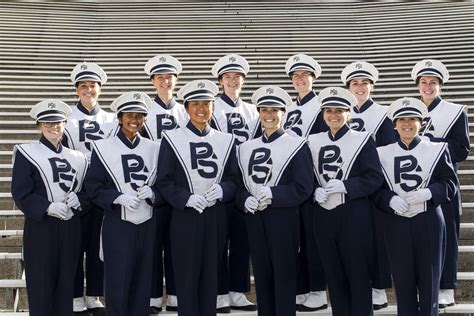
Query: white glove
[320,195]
[411,214]
[335,186]
[72,201]
[251,204]
[197,202]
[145,192]
[58,209]
[69,214]
[263,204]
[129,201]
[399,205]
[214,193]
[264,193]
[418,196]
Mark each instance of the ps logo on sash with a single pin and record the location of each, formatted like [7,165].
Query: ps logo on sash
[202,156]
[404,168]
[134,170]
[293,119]
[62,173]
[89,130]
[357,124]
[236,125]
[164,122]
[427,127]
[330,162]
[260,165]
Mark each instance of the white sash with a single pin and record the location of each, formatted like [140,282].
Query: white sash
[442,118]
[160,119]
[301,118]
[409,170]
[61,173]
[130,169]
[203,158]
[334,159]
[370,120]
[264,163]
[242,120]
[82,129]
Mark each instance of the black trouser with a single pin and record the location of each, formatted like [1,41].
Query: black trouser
[128,259]
[194,250]
[415,250]
[51,248]
[274,240]
[382,278]
[234,267]
[452,221]
[344,238]
[163,246]
[310,273]
[91,223]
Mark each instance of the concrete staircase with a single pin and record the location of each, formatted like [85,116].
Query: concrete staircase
[40,42]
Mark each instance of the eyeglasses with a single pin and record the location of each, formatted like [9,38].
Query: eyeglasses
[304,75]
[52,124]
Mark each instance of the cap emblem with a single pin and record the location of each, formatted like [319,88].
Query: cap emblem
[428,63]
[333,92]
[358,66]
[137,96]
[406,102]
[270,90]
[162,59]
[83,67]
[201,85]
[51,105]
[231,59]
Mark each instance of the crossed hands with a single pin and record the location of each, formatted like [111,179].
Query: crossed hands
[401,206]
[260,201]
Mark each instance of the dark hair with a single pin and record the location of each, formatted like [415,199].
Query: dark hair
[222,74]
[348,83]
[276,107]
[120,114]
[186,103]
[417,81]
[78,82]
[153,75]
[395,120]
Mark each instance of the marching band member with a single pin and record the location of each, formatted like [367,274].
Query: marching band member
[274,169]
[418,178]
[164,114]
[197,176]
[45,179]
[359,78]
[119,180]
[239,118]
[348,171]
[87,123]
[445,122]
[304,118]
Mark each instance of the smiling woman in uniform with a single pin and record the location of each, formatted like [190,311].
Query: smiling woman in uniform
[45,177]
